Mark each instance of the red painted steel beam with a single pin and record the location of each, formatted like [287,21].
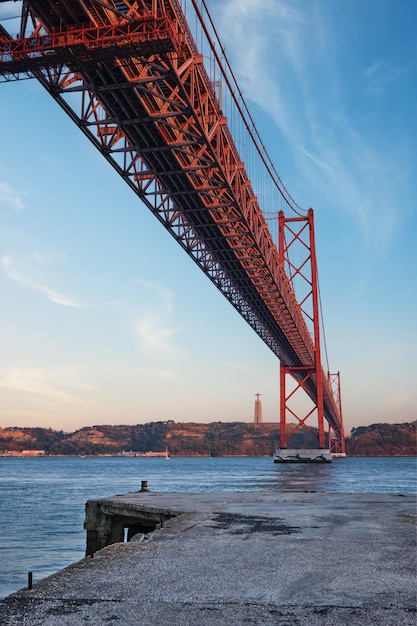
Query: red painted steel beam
[150,108]
[299,231]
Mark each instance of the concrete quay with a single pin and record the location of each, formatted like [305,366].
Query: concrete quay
[290,559]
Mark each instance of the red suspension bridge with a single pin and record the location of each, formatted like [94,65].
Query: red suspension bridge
[149,84]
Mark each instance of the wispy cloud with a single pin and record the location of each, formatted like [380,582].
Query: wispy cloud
[45,382]
[292,69]
[324,166]
[152,332]
[9,267]
[361,177]
[273,28]
[152,327]
[381,75]
[10,198]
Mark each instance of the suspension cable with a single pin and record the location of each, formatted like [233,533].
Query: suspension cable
[322,325]
[253,132]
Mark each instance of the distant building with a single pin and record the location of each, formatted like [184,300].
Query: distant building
[258,410]
[23,453]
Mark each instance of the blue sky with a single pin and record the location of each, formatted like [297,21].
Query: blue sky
[105,320]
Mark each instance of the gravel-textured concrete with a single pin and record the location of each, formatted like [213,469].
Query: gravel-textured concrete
[293,559]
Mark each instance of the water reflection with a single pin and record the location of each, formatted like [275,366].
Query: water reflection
[351,475]
[303,477]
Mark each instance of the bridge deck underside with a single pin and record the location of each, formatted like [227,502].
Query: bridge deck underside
[158,108]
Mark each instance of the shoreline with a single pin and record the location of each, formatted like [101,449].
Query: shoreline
[156,455]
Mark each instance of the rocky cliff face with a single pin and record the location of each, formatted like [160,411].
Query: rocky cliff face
[27,438]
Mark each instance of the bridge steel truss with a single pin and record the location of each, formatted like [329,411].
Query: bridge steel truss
[298,232]
[130,76]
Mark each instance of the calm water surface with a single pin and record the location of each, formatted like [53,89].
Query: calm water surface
[42,499]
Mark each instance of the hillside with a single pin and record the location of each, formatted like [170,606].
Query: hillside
[192,439]
[182,439]
[383,440]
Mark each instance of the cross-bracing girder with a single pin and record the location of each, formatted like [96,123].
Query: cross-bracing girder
[130,76]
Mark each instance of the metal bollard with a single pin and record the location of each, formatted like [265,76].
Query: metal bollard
[144,485]
[30,580]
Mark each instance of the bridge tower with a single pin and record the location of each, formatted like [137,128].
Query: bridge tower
[298,257]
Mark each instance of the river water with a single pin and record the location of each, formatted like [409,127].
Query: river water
[42,499]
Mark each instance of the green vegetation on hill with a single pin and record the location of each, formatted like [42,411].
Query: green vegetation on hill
[383,440]
[192,439]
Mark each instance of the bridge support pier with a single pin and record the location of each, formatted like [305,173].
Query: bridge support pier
[302,456]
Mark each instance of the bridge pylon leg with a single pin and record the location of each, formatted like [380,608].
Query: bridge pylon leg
[301,409]
[336,435]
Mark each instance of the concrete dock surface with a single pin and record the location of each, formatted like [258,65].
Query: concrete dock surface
[293,559]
